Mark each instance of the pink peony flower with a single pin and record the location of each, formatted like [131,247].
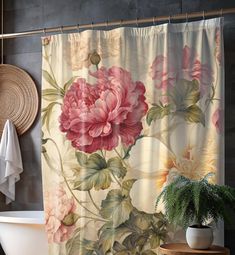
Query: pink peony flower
[57,207]
[164,99]
[217,120]
[95,116]
[218,46]
[163,73]
[193,69]
[166,71]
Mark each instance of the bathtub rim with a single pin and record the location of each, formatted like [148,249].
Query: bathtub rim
[22,217]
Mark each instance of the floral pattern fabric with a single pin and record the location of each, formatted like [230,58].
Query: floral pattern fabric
[123,112]
[94,116]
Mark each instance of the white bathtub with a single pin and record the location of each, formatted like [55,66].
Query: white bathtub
[23,233]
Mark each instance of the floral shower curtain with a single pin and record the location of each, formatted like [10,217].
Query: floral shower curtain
[123,112]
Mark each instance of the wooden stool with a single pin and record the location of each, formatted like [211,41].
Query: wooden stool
[183,249]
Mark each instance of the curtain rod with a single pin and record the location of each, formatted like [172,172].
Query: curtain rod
[136,21]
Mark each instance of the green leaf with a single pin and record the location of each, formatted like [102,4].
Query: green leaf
[46,114]
[109,235]
[211,96]
[142,220]
[116,167]
[70,219]
[185,93]
[128,149]
[116,207]
[93,174]
[154,241]
[69,82]
[157,112]
[49,79]
[148,252]
[81,158]
[84,246]
[135,240]
[124,252]
[213,92]
[97,162]
[127,185]
[52,94]
[44,140]
[120,249]
[194,114]
[96,172]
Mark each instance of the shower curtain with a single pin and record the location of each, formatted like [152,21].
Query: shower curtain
[123,112]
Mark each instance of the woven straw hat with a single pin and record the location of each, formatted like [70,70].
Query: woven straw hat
[18,98]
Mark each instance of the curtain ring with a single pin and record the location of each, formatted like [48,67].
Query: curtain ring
[186,17]
[107,24]
[154,21]
[120,22]
[137,21]
[61,30]
[169,19]
[221,13]
[44,31]
[203,15]
[78,28]
[92,27]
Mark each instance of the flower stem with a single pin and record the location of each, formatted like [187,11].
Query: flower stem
[66,182]
[102,153]
[216,83]
[95,219]
[92,200]
[115,178]
[119,155]
[49,64]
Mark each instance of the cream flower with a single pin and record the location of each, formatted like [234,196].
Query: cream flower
[82,46]
[192,154]
[57,207]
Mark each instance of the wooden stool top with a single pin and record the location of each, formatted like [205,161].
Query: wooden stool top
[183,249]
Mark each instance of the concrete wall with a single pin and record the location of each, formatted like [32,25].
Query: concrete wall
[21,15]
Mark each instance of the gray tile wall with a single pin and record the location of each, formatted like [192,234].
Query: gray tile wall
[21,15]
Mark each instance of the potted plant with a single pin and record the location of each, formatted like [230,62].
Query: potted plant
[192,204]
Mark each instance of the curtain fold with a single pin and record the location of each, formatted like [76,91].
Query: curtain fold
[123,112]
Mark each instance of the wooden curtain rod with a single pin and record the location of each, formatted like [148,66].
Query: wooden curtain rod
[136,21]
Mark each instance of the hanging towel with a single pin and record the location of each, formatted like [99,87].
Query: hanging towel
[10,161]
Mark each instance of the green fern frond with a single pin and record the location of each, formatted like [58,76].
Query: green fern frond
[208,176]
[189,202]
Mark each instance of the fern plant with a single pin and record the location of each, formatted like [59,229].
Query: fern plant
[190,202]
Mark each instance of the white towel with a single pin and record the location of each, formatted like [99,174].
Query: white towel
[10,161]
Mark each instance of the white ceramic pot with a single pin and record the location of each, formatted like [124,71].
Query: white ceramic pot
[199,238]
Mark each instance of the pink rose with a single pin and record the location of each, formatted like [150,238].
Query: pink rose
[217,120]
[57,207]
[166,71]
[95,116]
